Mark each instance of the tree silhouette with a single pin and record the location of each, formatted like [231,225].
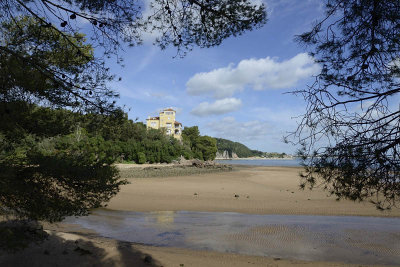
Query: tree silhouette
[112,23]
[350,133]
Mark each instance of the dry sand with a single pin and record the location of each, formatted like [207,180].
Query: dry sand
[261,190]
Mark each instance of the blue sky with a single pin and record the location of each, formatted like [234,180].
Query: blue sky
[233,91]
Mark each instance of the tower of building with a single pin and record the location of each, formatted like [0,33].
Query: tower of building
[166,120]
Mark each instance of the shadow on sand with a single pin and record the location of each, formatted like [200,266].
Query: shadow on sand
[74,249]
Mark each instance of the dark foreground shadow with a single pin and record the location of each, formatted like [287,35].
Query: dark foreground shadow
[69,249]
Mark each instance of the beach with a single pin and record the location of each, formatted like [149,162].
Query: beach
[245,190]
[260,190]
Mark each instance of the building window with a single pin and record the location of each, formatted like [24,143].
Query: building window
[168,131]
[168,125]
[153,123]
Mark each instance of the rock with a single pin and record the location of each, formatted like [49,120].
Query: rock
[236,196]
[148,259]
[209,163]
[184,162]
[197,163]
[223,155]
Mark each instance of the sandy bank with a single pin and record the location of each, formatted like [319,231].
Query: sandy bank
[260,190]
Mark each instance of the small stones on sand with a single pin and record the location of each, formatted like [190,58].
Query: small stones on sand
[181,265]
[277,259]
[292,192]
[248,197]
[236,196]
[195,194]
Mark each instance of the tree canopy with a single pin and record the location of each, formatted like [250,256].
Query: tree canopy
[180,23]
[350,131]
[202,147]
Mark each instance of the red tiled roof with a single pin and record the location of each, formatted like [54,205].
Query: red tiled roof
[177,122]
[169,109]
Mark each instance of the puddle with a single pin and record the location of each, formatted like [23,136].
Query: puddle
[350,239]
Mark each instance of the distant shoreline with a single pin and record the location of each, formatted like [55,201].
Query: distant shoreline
[257,158]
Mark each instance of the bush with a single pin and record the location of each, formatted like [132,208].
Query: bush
[141,158]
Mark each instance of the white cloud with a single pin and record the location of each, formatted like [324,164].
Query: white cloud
[231,129]
[218,107]
[260,74]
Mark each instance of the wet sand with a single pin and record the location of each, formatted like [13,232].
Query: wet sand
[260,190]
[66,249]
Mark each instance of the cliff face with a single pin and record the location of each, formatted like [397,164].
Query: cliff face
[225,155]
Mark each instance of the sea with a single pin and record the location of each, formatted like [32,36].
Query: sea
[263,162]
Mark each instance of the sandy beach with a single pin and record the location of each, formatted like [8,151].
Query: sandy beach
[250,190]
[261,190]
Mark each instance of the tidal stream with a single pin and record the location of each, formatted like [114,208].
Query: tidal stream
[349,239]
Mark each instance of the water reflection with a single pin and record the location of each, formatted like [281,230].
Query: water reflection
[363,240]
[165,218]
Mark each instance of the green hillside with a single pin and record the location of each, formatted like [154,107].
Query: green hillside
[243,151]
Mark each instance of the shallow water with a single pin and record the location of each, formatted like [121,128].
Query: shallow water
[263,162]
[363,240]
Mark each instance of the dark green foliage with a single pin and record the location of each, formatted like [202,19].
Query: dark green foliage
[207,146]
[42,65]
[50,166]
[50,178]
[70,157]
[141,158]
[350,133]
[202,147]
[190,136]
[241,150]
[274,155]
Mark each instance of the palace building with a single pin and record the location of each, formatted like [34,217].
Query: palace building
[166,120]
